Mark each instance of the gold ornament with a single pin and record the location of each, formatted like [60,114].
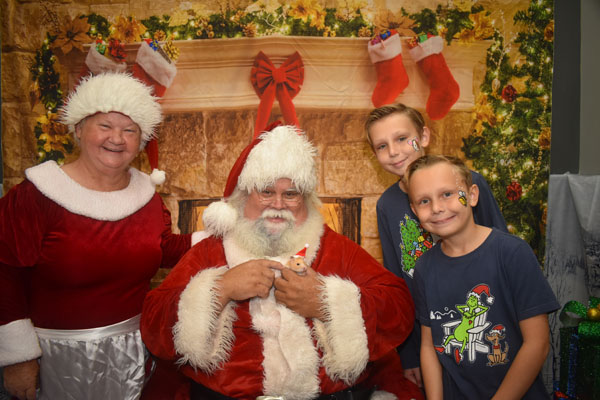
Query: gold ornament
[593,314]
[495,85]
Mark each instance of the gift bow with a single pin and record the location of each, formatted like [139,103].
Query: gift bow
[271,82]
[574,314]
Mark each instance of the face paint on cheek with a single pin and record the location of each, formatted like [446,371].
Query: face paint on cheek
[462,197]
[415,144]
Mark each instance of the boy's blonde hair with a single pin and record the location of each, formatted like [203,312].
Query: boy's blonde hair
[433,159]
[399,108]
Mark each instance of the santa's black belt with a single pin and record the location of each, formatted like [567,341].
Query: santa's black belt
[200,392]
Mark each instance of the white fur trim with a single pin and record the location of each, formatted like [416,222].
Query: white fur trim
[203,335]
[55,184]
[219,218]
[97,63]
[284,152]
[199,236]
[155,65]
[18,342]
[433,45]
[342,336]
[117,92]
[157,176]
[383,395]
[386,49]
[291,361]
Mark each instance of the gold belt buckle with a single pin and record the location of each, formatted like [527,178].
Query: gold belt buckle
[270,398]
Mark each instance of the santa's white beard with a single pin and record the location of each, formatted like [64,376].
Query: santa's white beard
[264,238]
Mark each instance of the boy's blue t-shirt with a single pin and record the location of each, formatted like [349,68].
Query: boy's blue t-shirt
[403,241]
[473,305]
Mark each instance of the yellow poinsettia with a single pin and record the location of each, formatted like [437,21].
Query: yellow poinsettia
[127,30]
[318,19]
[463,5]
[72,34]
[304,9]
[549,32]
[483,26]
[389,20]
[483,112]
[55,135]
[466,36]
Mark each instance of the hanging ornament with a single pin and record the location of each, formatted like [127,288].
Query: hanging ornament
[509,94]
[514,191]
[495,85]
[593,314]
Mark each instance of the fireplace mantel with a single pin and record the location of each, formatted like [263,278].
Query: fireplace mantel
[337,72]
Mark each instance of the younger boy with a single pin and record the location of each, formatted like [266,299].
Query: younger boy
[481,297]
[398,135]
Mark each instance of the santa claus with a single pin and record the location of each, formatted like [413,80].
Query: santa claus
[243,326]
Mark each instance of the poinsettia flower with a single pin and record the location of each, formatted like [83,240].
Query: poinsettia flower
[304,9]
[128,30]
[466,36]
[463,5]
[72,34]
[401,23]
[482,24]
[549,32]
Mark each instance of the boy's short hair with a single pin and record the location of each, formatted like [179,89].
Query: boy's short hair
[433,159]
[381,112]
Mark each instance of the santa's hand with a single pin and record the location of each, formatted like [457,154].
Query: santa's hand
[21,380]
[300,293]
[250,279]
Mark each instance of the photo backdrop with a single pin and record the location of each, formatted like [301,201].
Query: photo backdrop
[199,56]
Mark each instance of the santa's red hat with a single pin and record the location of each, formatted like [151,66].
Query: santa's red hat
[482,288]
[283,152]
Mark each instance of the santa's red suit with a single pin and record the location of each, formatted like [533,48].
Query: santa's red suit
[259,347]
[73,259]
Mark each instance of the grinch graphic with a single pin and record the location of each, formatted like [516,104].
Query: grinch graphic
[415,242]
[468,331]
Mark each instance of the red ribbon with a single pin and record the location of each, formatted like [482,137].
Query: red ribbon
[282,83]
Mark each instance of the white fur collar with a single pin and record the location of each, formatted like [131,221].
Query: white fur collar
[55,184]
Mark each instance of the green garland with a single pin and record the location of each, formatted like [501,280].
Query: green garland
[511,125]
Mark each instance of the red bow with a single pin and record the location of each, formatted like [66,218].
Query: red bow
[282,83]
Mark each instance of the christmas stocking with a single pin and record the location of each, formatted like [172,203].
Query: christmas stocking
[443,89]
[99,60]
[385,52]
[154,68]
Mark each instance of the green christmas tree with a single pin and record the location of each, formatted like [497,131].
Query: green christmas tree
[510,143]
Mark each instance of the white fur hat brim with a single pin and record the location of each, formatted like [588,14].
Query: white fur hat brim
[114,92]
[283,152]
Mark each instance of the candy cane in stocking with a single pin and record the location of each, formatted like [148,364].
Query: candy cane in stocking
[155,69]
[443,89]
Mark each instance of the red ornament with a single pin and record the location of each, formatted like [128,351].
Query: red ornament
[514,191]
[509,93]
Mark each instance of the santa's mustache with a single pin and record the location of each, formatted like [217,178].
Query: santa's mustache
[273,213]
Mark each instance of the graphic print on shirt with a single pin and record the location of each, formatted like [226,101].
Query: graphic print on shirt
[468,332]
[498,356]
[415,242]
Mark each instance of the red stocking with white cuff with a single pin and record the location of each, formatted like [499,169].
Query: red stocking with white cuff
[385,52]
[443,88]
[154,68]
[96,62]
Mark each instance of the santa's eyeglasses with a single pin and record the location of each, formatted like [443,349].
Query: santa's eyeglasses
[289,197]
